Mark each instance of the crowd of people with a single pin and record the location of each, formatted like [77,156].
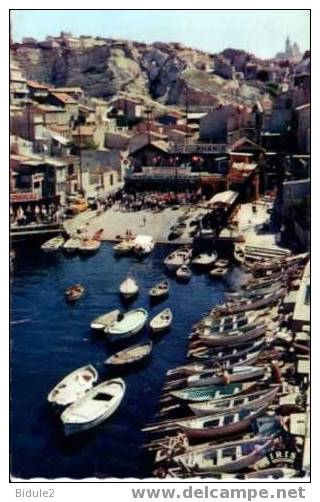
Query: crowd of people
[155,201]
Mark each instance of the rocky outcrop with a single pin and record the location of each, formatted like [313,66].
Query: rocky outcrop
[168,73]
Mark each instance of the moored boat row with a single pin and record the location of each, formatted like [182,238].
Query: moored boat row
[240,384]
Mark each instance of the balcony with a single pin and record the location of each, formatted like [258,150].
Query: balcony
[24,195]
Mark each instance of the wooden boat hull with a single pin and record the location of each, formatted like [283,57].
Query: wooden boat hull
[213,379]
[56,398]
[116,360]
[74,428]
[165,325]
[103,322]
[231,340]
[261,446]
[211,406]
[114,336]
[205,393]
[220,432]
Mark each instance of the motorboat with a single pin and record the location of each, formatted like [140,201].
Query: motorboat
[161,290]
[184,273]
[94,408]
[161,321]
[143,245]
[205,259]
[104,321]
[131,323]
[130,355]
[73,387]
[53,244]
[129,288]
[74,292]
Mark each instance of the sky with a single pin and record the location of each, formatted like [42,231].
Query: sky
[261,32]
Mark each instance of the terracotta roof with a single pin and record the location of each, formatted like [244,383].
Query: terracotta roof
[37,85]
[65,98]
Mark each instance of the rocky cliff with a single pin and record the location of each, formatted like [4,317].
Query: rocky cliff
[169,73]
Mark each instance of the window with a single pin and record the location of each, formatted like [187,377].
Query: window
[111,180]
[36,184]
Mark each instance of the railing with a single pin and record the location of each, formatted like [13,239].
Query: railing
[198,148]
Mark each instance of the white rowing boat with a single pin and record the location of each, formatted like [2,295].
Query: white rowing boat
[131,323]
[73,386]
[205,259]
[160,290]
[161,321]
[53,244]
[95,407]
[124,247]
[104,321]
[183,273]
[129,288]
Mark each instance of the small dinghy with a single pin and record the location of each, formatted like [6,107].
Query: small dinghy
[161,321]
[219,425]
[218,272]
[161,290]
[130,324]
[226,457]
[222,263]
[129,288]
[251,401]
[73,387]
[184,273]
[232,375]
[124,248]
[130,355]
[72,245]
[74,293]
[89,246]
[105,320]
[95,407]
[205,259]
[177,258]
[53,244]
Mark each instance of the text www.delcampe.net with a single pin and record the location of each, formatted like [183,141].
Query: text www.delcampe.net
[207,492]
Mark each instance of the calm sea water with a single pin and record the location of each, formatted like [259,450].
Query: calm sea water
[50,338]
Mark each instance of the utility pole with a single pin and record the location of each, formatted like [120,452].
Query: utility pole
[80,157]
[186,111]
[148,112]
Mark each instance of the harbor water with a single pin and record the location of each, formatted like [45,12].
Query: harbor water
[50,338]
